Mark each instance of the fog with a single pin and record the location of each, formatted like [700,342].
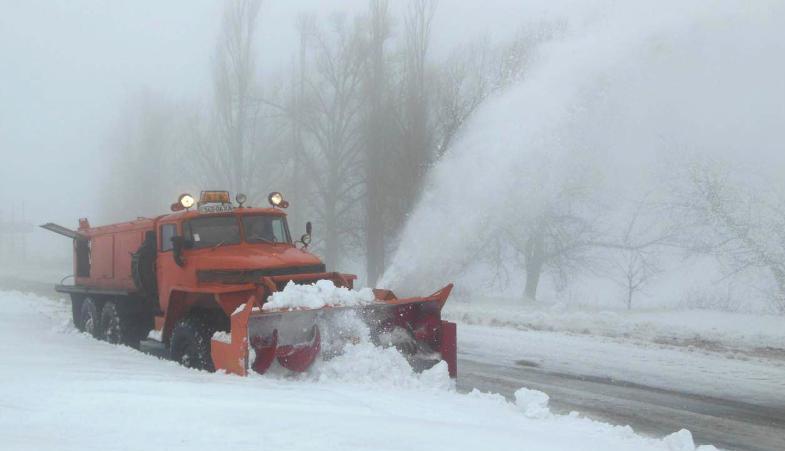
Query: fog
[616,107]
[70,68]
[639,146]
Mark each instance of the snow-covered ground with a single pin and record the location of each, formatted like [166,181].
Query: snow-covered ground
[719,331]
[36,271]
[64,390]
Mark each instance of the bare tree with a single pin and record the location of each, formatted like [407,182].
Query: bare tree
[556,235]
[567,229]
[415,151]
[473,73]
[738,225]
[376,139]
[142,146]
[461,86]
[299,186]
[635,258]
[226,149]
[330,119]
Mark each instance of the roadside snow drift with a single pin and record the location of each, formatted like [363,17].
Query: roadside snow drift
[63,390]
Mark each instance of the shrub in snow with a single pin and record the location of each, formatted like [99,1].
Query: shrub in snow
[317,295]
[533,403]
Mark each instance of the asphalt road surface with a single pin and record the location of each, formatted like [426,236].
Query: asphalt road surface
[723,423]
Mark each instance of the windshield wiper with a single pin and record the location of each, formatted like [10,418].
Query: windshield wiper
[219,245]
[256,239]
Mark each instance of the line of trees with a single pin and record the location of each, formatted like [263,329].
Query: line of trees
[348,132]
[350,129]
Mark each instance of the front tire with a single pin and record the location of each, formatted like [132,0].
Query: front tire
[190,344]
[89,320]
[117,325]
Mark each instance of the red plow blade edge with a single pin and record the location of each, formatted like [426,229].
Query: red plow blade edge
[296,338]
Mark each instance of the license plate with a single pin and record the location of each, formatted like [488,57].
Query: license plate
[215,208]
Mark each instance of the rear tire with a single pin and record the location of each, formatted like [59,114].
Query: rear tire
[89,320]
[76,312]
[190,343]
[118,326]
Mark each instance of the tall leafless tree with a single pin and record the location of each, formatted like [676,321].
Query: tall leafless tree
[226,149]
[143,144]
[377,142]
[415,151]
[330,120]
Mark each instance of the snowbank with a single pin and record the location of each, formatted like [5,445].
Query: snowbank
[533,403]
[317,295]
[699,328]
[89,395]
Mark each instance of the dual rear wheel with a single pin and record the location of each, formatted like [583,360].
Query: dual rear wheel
[110,321]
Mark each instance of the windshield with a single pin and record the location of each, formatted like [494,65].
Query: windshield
[213,231]
[265,229]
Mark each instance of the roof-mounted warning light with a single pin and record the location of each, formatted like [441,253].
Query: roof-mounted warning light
[214,197]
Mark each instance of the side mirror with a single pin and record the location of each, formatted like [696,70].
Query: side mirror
[178,244]
[306,239]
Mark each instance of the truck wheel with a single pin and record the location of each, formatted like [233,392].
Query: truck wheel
[88,318]
[190,344]
[76,312]
[117,326]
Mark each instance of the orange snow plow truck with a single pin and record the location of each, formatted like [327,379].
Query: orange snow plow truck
[200,278]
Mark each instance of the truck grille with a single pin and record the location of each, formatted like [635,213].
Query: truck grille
[252,275]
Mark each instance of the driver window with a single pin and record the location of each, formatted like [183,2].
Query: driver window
[265,228]
[167,232]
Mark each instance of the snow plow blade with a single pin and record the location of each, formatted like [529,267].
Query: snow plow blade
[295,338]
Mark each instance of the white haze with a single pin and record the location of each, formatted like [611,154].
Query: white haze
[628,90]
[69,69]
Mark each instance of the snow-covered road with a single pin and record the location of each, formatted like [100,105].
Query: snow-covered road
[63,390]
[733,403]
[693,370]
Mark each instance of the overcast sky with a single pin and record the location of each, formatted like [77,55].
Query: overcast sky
[67,67]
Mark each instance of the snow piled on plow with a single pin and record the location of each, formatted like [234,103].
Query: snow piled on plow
[64,390]
[317,295]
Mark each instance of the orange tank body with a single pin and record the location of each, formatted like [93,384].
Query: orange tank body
[110,254]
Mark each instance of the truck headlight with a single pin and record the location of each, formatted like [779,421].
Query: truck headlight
[275,198]
[186,200]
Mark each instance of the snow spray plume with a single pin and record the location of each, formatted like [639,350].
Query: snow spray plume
[626,84]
